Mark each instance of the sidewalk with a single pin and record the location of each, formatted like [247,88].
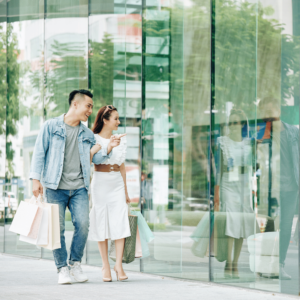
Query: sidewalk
[36,279]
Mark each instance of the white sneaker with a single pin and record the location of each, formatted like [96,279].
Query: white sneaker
[64,276]
[77,273]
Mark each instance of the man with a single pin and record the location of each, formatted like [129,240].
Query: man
[286,138]
[61,159]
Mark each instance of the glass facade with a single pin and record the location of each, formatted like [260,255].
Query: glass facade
[208,93]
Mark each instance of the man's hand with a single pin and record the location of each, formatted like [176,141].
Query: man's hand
[37,187]
[115,141]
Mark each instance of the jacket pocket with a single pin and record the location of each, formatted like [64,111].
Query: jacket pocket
[58,140]
[87,143]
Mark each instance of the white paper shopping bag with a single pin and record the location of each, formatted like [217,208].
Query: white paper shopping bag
[53,227]
[34,231]
[24,218]
[33,234]
[43,232]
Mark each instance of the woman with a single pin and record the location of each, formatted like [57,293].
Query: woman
[109,214]
[234,180]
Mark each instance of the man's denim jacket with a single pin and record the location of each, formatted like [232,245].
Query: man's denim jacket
[48,156]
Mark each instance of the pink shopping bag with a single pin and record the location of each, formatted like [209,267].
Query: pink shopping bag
[138,245]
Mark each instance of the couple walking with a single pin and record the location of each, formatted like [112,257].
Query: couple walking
[61,160]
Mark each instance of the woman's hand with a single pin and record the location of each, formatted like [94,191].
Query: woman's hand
[127,199]
[115,140]
[95,149]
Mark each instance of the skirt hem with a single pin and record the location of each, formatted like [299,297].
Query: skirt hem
[108,238]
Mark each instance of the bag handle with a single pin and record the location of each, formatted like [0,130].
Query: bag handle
[35,200]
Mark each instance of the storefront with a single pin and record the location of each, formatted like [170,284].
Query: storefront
[208,94]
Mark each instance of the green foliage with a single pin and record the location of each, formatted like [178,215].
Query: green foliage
[101,72]
[254,58]
[3,84]
[67,71]
[185,218]
[157,226]
[10,113]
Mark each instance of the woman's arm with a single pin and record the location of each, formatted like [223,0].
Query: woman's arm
[123,173]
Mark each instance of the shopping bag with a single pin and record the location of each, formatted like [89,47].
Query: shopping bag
[201,237]
[53,227]
[144,229]
[138,245]
[43,232]
[24,218]
[130,243]
[145,247]
[145,233]
[33,234]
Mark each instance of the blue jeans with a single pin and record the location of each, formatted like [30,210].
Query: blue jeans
[78,203]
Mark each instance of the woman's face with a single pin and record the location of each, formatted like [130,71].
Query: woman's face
[235,124]
[113,122]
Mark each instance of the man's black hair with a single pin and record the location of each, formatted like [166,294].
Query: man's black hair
[83,92]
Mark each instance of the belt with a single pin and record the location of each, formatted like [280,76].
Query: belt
[107,168]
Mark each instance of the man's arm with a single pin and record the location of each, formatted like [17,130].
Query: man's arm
[38,159]
[101,155]
[105,153]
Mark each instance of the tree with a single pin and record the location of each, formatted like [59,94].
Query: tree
[66,71]
[101,72]
[12,96]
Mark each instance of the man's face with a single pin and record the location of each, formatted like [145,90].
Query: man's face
[84,108]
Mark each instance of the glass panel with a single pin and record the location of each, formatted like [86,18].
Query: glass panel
[66,66]
[255,140]
[25,35]
[114,78]
[3,88]
[175,137]
[130,106]
[195,143]
[106,61]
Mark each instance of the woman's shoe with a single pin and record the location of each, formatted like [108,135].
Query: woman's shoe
[121,278]
[228,270]
[235,272]
[106,279]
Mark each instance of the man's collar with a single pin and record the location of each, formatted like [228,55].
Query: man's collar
[61,120]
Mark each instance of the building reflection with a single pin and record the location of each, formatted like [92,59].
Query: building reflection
[219,192]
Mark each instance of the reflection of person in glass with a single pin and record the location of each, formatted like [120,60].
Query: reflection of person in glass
[233,190]
[286,137]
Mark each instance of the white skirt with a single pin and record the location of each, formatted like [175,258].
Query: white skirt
[109,214]
[236,200]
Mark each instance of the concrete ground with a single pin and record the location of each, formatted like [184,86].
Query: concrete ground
[36,279]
